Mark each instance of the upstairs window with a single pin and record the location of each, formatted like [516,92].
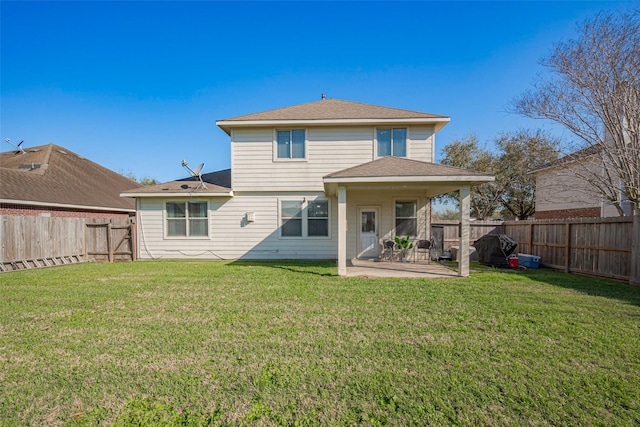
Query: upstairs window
[392,142]
[187,219]
[290,144]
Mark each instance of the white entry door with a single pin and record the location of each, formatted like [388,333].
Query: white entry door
[368,226]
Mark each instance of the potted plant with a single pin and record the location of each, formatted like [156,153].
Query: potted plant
[405,245]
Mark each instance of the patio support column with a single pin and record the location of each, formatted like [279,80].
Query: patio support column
[463,251]
[342,231]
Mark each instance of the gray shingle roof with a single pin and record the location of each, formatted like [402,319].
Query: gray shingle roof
[52,174]
[334,109]
[398,166]
[579,155]
[332,112]
[216,182]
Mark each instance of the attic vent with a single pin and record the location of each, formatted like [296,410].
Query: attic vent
[62,152]
[31,167]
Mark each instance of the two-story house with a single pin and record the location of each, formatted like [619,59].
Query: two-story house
[321,180]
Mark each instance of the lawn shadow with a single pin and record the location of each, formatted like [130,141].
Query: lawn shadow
[295,266]
[594,286]
[590,285]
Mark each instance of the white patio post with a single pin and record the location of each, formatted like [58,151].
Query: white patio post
[342,231]
[463,251]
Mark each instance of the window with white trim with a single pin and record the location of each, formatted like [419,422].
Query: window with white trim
[187,219]
[290,144]
[392,142]
[301,218]
[406,215]
[291,217]
[318,218]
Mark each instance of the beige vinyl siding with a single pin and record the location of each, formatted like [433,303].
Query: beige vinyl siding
[230,235]
[560,188]
[385,200]
[328,149]
[420,141]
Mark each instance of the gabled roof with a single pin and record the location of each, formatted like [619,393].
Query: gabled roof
[51,175]
[398,172]
[217,184]
[333,112]
[391,166]
[579,155]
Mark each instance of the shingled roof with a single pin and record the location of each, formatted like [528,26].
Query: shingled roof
[217,184]
[391,166]
[576,156]
[333,111]
[52,175]
[392,171]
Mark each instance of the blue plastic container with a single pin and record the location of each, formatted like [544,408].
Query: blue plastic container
[529,261]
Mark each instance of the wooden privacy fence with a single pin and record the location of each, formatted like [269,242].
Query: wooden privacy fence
[109,242]
[605,247]
[595,246]
[477,229]
[42,241]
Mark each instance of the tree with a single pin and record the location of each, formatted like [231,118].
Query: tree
[592,88]
[466,153]
[517,154]
[520,153]
[145,180]
[446,214]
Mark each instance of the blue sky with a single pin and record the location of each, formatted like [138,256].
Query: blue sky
[138,86]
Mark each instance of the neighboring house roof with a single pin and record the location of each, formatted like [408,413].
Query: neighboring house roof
[51,175]
[331,112]
[400,171]
[569,158]
[217,184]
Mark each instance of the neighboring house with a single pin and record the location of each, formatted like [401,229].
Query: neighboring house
[49,180]
[322,180]
[563,189]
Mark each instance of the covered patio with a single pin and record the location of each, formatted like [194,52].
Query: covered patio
[421,269]
[365,185]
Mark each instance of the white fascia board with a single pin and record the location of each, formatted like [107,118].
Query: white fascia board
[173,195]
[64,205]
[383,179]
[439,122]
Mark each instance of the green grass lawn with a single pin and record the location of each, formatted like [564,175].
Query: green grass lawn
[247,343]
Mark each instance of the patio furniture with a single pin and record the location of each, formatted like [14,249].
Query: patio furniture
[388,250]
[422,247]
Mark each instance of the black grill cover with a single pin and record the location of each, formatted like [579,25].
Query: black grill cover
[494,249]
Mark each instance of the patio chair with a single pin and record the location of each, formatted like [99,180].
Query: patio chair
[387,250]
[424,247]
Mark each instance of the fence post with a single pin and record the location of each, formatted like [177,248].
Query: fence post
[567,247]
[634,276]
[109,243]
[133,231]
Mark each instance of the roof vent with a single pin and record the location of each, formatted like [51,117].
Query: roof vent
[324,96]
[31,167]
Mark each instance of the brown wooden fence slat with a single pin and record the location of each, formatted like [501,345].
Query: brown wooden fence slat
[44,241]
[603,247]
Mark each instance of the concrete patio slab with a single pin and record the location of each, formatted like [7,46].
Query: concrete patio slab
[375,268]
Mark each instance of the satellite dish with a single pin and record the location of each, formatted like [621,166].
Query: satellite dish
[19,146]
[195,172]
